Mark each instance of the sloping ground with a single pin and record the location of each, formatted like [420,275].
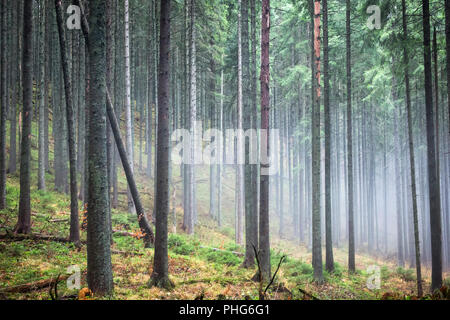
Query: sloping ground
[196,269]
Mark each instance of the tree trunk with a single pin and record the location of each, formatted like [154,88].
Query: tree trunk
[193,116]
[264,240]
[3,111]
[351,231]
[99,267]
[433,179]
[74,224]
[447,49]
[326,92]
[160,275]
[128,118]
[411,152]
[24,220]
[315,144]
[42,102]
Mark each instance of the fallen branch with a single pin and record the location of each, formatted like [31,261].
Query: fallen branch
[58,220]
[276,271]
[259,274]
[127,253]
[124,233]
[35,236]
[240,254]
[32,285]
[307,294]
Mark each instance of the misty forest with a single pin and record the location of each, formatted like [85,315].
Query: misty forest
[225,149]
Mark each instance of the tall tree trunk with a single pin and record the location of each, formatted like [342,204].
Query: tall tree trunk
[264,240]
[99,267]
[254,111]
[240,192]
[249,193]
[160,275]
[128,116]
[447,49]
[42,101]
[433,179]
[24,220]
[150,85]
[109,85]
[193,116]
[351,231]
[398,179]
[3,111]
[74,223]
[411,152]
[16,94]
[315,145]
[326,97]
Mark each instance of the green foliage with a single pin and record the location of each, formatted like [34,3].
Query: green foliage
[385,273]
[221,257]
[406,274]
[338,270]
[179,245]
[227,231]
[446,282]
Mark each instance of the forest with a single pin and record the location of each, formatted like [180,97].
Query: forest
[225,150]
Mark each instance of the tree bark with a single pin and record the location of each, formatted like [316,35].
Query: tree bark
[74,223]
[99,267]
[24,221]
[264,240]
[3,111]
[326,97]
[42,102]
[160,275]
[411,152]
[351,231]
[128,119]
[433,179]
[315,145]
[142,218]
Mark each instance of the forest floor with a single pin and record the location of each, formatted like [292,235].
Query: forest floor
[196,269]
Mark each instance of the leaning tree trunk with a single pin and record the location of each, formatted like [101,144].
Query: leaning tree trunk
[74,223]
[24,221]
[160,275]
[433,179]
[142,218]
